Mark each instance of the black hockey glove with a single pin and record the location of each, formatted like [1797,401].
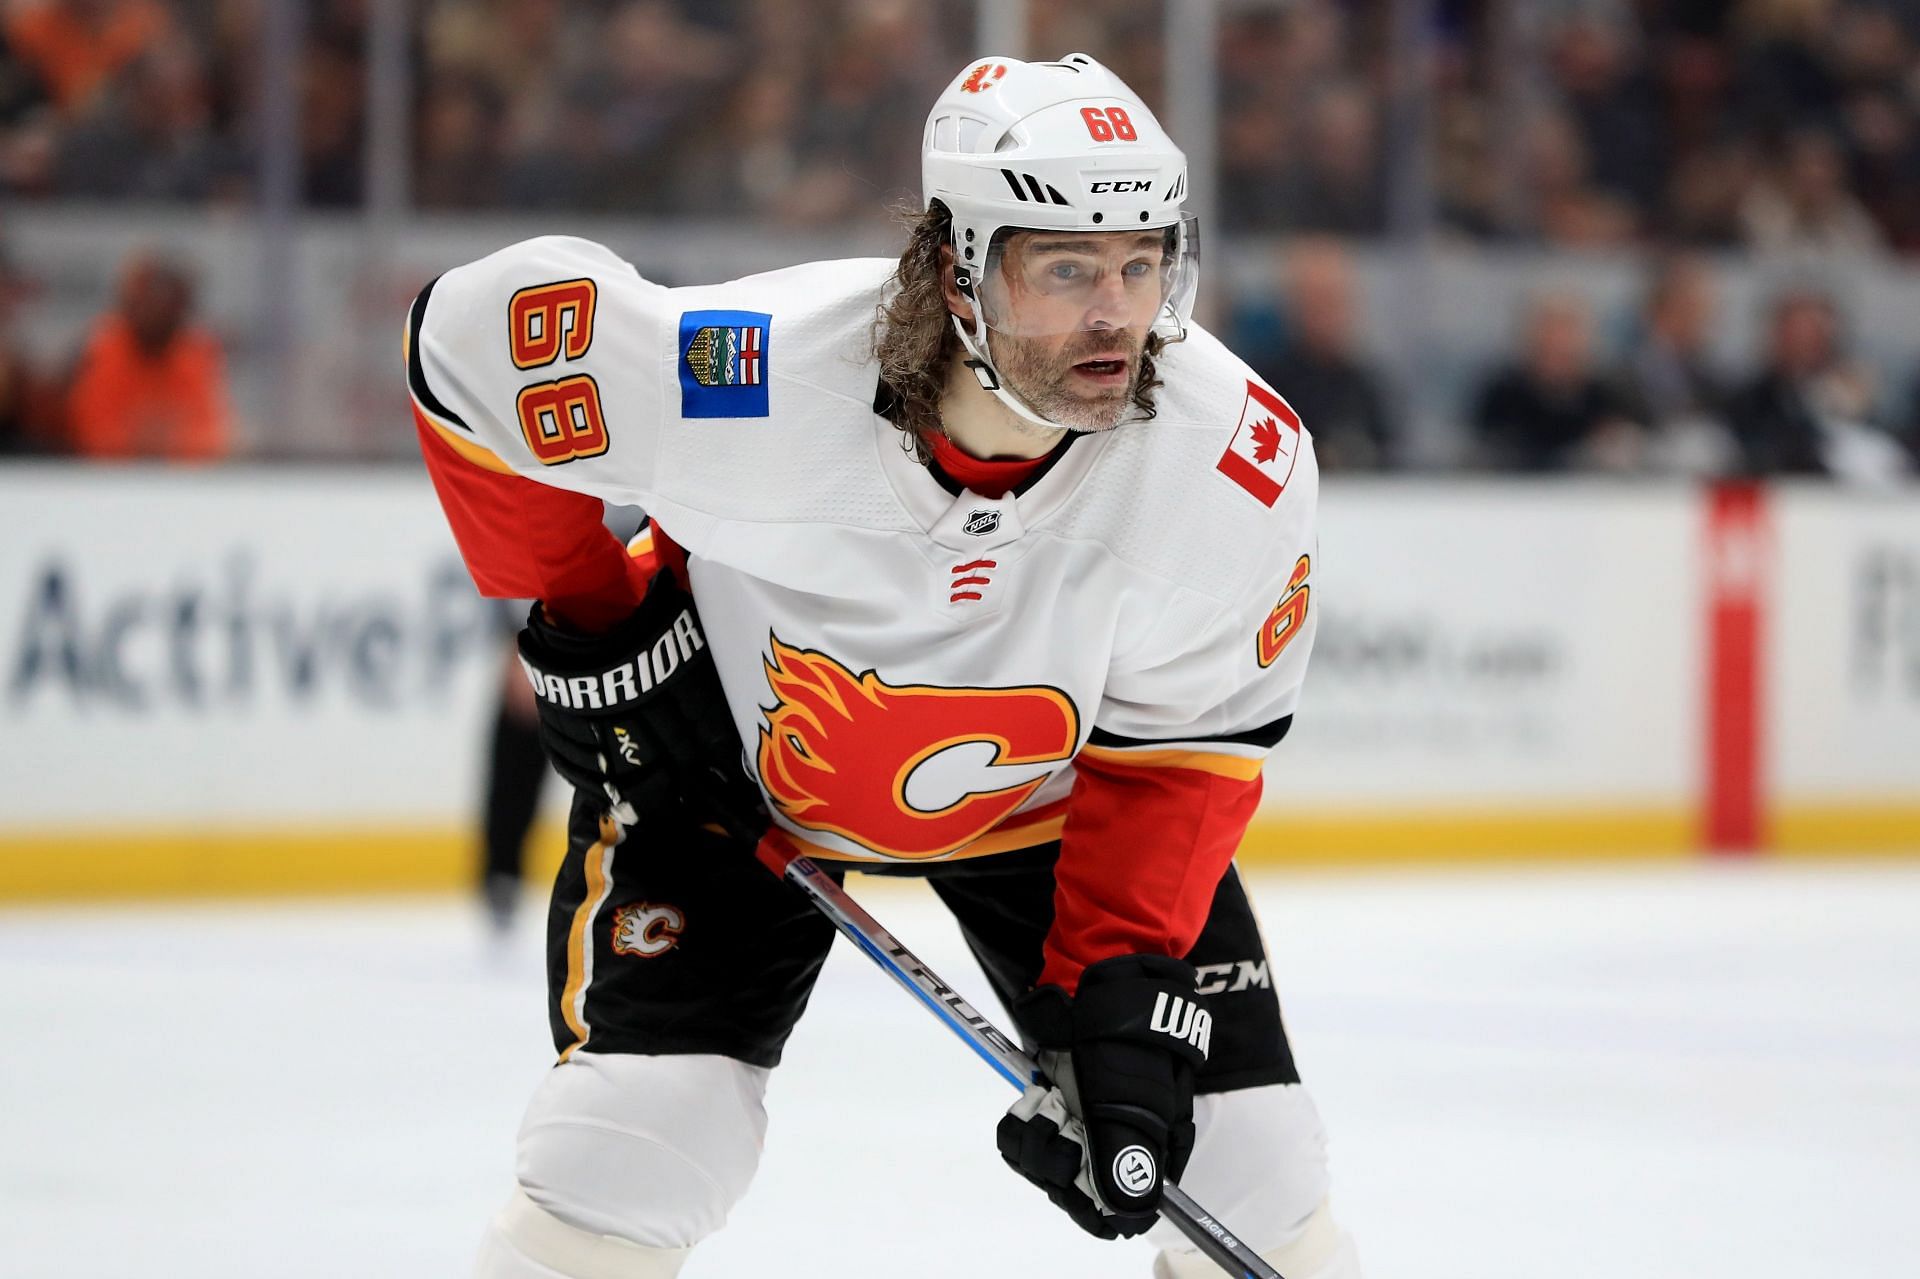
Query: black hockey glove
[636,717]
[1118,1117]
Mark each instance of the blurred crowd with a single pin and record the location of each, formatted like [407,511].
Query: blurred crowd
[1655,400]
[1581,123]
[1766,124]
[147,380]
[1677,129]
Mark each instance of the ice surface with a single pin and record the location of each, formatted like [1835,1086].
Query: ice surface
[1696,1070]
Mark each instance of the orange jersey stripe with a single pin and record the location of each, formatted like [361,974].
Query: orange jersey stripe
[1239,767]
[477,454]
[1027,829]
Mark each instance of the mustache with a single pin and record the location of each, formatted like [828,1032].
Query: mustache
[1104,349]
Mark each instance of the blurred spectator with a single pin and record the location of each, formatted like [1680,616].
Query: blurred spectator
[1885,166]
[151,136]
[1806,412]
[1669,378]
[29,401]
[1803,204]
[1774,414]
[1908,430]
[1319,369]
[457,165]
[150,382]
[1335,184]
[21,401]
[1785,79]
[1704,194]
[1610,104]
[77,47]
[1552,410]
[1569,211]
[1779,124]
[852,156]
[332,102]
[1255,140]
[750,175]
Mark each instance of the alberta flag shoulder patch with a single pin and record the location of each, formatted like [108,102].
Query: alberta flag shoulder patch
[723,363]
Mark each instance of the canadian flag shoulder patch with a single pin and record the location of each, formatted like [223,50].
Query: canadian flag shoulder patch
[1265,445]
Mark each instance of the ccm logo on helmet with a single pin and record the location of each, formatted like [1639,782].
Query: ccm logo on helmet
[1123,184]
[627,682]
[1183,1019]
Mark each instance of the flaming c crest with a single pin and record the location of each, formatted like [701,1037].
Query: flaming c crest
[906,770]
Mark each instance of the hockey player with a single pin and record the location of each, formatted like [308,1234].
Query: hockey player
[1003,577]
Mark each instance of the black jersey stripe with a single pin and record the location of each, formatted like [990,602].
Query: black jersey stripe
[416,375]
[1266,736]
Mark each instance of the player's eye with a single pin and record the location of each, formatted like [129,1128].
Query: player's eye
[1140,269]
[1064,271]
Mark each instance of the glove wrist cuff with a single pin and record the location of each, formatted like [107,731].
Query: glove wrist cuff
[1147,1000]
[602,674]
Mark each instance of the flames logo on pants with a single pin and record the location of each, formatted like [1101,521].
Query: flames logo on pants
[906,770]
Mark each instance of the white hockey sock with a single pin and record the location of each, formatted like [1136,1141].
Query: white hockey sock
[1320,1251]
[525,1241]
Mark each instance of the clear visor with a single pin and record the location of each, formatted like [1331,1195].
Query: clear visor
[1050,283]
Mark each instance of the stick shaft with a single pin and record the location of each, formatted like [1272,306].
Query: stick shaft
[981,1035]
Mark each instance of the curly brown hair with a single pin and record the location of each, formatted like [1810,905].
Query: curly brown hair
[914,338]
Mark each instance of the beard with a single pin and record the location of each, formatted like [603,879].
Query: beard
[1044,379]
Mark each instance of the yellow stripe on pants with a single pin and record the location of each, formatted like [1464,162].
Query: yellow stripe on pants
[598,864]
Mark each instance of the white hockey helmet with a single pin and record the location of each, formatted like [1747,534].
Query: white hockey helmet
[1053,146]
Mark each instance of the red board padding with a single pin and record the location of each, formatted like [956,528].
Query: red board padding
[1739,562]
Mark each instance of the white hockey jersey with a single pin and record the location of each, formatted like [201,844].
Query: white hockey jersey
[913,670]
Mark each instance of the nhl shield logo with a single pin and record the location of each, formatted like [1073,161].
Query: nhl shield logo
[723,363]
[981,523]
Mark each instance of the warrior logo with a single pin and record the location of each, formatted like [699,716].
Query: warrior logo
[909,771]
[1133,1170]
[725,355]
[1183,1019]
[646,930]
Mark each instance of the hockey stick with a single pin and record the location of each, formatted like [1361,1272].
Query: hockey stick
[986,1039]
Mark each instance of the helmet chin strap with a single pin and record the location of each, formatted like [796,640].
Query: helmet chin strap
[989,377]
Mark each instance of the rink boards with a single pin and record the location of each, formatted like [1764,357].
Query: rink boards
[264,679]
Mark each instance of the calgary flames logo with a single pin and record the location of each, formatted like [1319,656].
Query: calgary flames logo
[981,78]
[906,770]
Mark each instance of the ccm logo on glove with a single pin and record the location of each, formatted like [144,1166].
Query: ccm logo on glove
[627,682]
[1183,1019]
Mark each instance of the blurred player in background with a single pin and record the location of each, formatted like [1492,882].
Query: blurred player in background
[516,771]
[1003,576]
